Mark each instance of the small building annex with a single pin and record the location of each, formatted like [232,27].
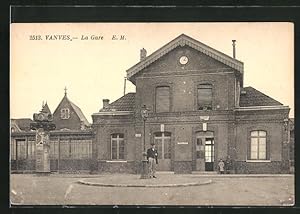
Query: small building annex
[199,112]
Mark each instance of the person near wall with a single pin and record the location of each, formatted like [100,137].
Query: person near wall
[152,160]
[221,166]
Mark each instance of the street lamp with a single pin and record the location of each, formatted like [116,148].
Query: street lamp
[144,173]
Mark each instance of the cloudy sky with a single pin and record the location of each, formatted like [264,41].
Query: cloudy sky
[93,70]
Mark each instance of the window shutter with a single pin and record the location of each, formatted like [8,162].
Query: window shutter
[163,99]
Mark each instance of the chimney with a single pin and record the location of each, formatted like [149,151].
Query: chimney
[233,45]
[105,103]
[143,54]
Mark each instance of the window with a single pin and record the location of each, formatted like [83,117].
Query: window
[209,150]
[258,145]
[81,149]
[162,99]
[204,97]
[72,149]
[54,149]
[65,113]
[13,149]
[31,147]
[64,149]
[163,142]
[117,147]
[21,149]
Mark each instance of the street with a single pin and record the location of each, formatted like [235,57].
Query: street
[30,189]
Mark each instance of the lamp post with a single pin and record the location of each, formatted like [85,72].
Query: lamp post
[144,173]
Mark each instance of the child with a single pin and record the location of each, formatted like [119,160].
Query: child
[221,166]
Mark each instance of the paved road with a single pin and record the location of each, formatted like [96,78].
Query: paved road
[63,189]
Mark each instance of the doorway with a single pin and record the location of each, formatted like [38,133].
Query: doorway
[162,141]
[205,151]
[209,154]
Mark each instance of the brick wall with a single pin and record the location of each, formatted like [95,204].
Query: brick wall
[274,167]
[183,81]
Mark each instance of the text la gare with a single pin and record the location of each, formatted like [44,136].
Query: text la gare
[93,37]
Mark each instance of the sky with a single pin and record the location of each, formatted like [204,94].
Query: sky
[94,69]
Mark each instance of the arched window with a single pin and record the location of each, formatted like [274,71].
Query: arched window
[162,99]
[117,147]
[204,97]
[258,145]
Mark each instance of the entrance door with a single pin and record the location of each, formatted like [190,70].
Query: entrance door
[204,151]
[209,154]
[162,141]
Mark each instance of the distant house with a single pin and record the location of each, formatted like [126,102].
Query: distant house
[70,143]
[20,125]
[68,116]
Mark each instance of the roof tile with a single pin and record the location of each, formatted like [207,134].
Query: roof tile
[23,123]
[253,97]
[125,103]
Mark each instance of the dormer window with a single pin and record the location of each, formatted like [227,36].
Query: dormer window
[204,97]
[65,113]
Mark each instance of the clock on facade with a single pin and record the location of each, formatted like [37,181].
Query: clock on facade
[183,60]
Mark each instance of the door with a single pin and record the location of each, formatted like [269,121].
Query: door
[162,141]
[209,154]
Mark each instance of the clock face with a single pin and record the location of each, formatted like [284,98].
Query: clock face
[183,60]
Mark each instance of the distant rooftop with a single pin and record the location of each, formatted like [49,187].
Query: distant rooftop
[252,97]
[124,103]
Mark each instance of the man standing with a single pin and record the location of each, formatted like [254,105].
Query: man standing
[152,160]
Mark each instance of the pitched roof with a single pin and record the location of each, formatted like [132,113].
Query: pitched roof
[125,103]
[80,114]
[23,123]
[251,97]
[46,109]
[76,109]
[183,40]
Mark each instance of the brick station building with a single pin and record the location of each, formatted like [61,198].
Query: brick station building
[199,112]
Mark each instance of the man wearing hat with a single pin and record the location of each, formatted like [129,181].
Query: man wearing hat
[152,160]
